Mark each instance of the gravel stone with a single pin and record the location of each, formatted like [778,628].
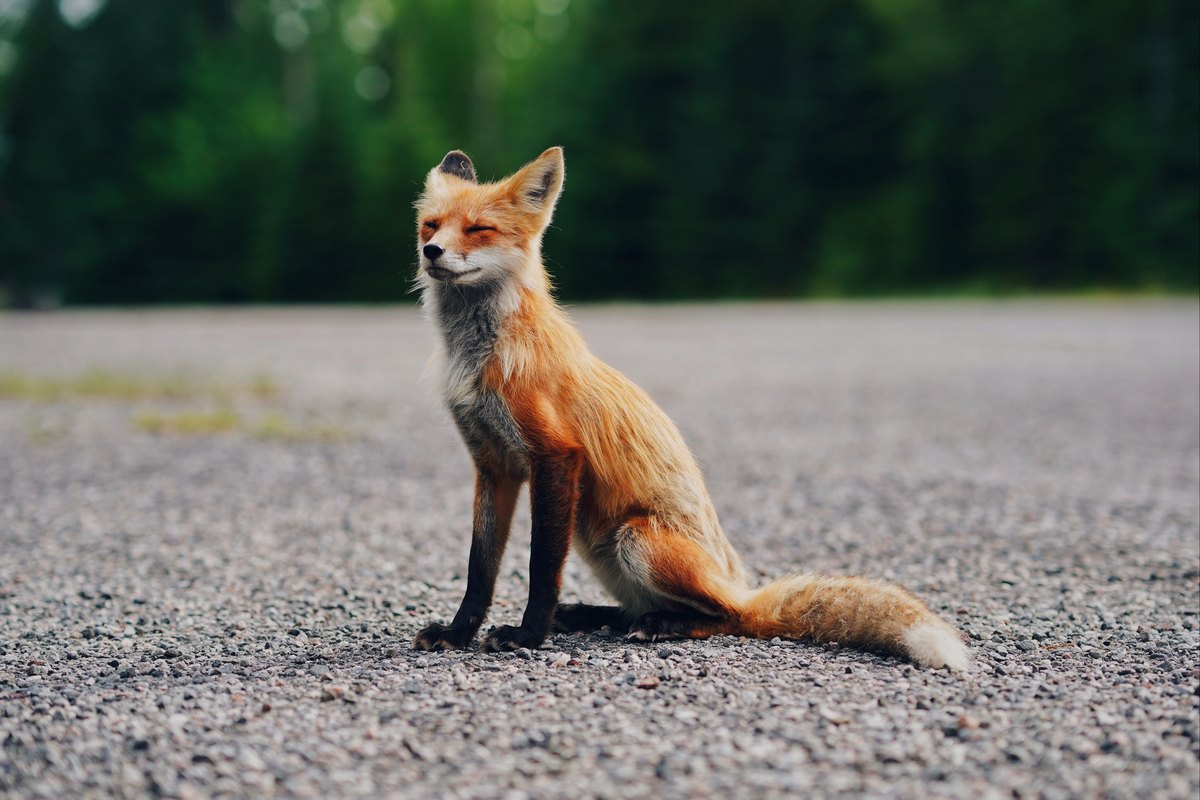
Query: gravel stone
[230,614]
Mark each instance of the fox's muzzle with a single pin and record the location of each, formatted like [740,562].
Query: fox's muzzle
[447,275]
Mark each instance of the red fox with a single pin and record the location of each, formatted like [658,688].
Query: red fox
[608,471]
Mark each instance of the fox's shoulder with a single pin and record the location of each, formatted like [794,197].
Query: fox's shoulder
[536,343]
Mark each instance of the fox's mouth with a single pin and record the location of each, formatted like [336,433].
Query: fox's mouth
[448,275]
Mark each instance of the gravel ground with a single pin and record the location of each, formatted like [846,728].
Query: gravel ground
[191,607]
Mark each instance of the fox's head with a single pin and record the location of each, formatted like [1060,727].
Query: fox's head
[472,232]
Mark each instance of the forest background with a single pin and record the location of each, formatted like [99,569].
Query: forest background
[231,151]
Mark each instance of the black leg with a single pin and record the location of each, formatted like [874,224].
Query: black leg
[554,494]
[495,498]
[580,617]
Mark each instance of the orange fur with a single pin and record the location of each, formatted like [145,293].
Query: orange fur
[641,516]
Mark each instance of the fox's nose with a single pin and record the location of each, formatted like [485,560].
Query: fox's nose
[432,251]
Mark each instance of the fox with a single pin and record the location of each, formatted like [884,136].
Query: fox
[608,471]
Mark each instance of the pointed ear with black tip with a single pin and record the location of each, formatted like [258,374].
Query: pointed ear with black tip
[536,185]
[458,164]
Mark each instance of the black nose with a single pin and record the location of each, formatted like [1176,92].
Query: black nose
[432,251]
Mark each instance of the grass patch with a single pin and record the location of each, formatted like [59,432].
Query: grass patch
[271,427]
[102,384]
[44,433]
[277,427]
[264,387]
[217,415]
[189,423]
[94,384]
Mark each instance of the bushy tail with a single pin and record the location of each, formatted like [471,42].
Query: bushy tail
[861,612]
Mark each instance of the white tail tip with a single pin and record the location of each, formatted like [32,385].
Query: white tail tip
[936,645]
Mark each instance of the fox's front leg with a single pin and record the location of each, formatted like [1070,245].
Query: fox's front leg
[554,496]
[495,498]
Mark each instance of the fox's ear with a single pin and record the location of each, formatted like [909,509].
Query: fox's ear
[458,164]
[537,184]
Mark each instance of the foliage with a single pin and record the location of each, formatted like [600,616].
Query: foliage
[270,150]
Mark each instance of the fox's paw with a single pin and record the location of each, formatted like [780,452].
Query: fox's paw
[570,618]
[659,625]
[577,617]
[437,636]
[507,638]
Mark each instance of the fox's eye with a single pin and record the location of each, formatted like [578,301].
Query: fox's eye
[479,228]
[431,224]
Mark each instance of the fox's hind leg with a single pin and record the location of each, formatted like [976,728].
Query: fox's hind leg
[659,625]
[581,617]
[694,595]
